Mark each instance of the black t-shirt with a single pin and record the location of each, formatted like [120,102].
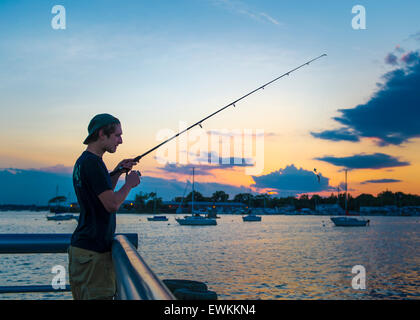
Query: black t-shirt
[96,226]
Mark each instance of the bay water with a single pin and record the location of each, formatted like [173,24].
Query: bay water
[281,257]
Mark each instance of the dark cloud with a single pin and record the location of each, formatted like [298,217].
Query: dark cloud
[40,186]
[410,57]
[168,189]
[391,59]
[365,161]
[292,179]
[341,134]
[381,181]
[391,116]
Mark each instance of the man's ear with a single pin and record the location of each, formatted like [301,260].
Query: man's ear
[101,134]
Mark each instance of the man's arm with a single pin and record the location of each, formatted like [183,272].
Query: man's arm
[114,180]
[126,164]
[113,200]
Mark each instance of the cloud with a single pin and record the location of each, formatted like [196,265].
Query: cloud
[391,59]
[240,133]
[11,171]
[410,57]
[40,186]
[365,161]
[168,189]
[381,181]
[391,116]
[269,18]
[415,36]
[337,135]
[399,49]
[59,168]
[223,162]
[205,163]
[240,7]
[291,179]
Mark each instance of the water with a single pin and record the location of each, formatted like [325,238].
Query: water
[282,257]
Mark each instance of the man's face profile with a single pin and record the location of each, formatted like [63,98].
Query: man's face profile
[110,143]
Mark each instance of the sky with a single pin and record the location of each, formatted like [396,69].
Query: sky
[160,65]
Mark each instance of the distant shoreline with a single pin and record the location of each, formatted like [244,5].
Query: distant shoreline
[43,209]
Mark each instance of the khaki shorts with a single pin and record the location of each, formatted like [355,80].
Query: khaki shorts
[91,274]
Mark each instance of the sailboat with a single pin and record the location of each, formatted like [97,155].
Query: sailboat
[158,217]
[179,209]
[196,219]
[348,221]
[251,216]
[60,211]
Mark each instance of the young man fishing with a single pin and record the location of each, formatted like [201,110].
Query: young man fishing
[91,270]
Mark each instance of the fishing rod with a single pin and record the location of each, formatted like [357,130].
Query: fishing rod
[198,123]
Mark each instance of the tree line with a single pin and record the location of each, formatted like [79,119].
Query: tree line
[150,201]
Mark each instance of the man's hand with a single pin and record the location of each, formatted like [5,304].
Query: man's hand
[133,179]
[127,164]
[113,200]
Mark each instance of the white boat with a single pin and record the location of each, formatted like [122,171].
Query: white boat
[349,222]
[157,218]
[251,217]
[196,219]
[60,217]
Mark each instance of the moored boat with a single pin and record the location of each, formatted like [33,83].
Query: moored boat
[349,222]
[157,218]
[60,217]
[251,217]
[196,220]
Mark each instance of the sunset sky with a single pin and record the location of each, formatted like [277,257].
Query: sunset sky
[156,64]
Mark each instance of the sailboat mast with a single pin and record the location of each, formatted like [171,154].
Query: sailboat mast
[192,203]
[154,202]
[345,203]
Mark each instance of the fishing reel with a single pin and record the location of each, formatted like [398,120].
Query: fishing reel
[121,170]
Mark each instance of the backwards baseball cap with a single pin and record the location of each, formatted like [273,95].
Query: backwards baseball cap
[99,121]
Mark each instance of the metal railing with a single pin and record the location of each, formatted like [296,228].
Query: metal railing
[42,242]
[135,280]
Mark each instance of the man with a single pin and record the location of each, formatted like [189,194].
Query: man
[91,270]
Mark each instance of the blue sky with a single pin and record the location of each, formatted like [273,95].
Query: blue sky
[154,64]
